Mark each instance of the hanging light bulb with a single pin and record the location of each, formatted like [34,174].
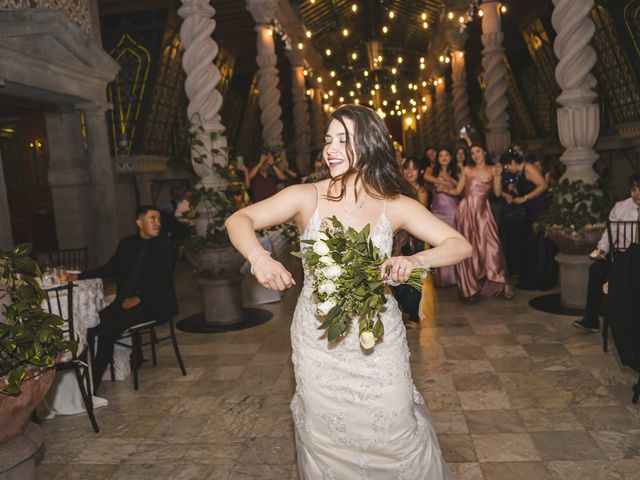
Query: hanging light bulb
[441,58]
[372,93]
[366,73]
[400,60]
[392,14]
[424,83]
[370,102]
[447,60]
[425,25]
[345,32]
[325,96]
[421,59]
[377,86]
[450,15]
[341,99]
[394,70]
[352,93]
[380,58]
[418,117]
[328,52]
[332,73]
[354,7]
[354,56]
[308,92]
[308,34]
[305,72]
[331,93]
[480,12]
[339,82]
[422,66]
[358,85]
[411,86]
[319,79]
[398,102]
[424,16]
[503,9]
[356,101]
[384,102]
[300,46]
[385,29]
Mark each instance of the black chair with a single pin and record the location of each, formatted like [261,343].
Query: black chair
[78,361]
[71,258]
[135,335]
[621,235]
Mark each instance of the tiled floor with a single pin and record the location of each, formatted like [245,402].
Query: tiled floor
[515,394]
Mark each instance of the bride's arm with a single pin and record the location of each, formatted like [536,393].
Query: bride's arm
[288,204]
[448,246]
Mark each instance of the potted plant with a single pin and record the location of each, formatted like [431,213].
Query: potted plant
[30,342]
[576,215]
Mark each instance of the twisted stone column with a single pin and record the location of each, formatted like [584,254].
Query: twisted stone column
[579,117]
[317,118]
[461,115]
[301,127]
[443,120]
[498,135]
[205,100]
[263,12]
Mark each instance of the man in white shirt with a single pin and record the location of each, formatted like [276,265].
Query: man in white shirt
[625,210]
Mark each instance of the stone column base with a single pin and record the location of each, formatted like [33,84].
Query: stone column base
[574,278]
[17,458]
[222,299]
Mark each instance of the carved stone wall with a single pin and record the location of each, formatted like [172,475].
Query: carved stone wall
[77,10]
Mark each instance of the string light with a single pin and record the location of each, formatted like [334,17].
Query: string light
[300,46]
[308,34]
[319,79]
[366,73]
[325,96]
[394,70]
[480,13]
[356,101]
[358,85]
[380,58]
[424,16]
[354,56]
[384,102]
[341,99]
[377,86]
[328,52]
[421,59]
[370,102]
[425,25]
[339,82]
[450,15]
[422,66]
[400,60]
[354,7]
[424,83]
[305,72]
[345,32]
[392,14]
[331,93]
[503,9]
[461,19]
[385,29]
[332,73]
[308,92]
[418,117]
[352,93]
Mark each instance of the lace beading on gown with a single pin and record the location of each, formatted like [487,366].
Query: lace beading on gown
[358,415]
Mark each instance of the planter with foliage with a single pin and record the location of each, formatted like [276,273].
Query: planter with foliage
[30,342]
[575,216]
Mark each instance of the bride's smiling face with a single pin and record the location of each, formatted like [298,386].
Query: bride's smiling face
[334,152]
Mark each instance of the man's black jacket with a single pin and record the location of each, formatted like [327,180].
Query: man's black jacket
[153,282]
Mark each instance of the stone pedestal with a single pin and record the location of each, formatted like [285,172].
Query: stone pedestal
[222,299]
[17,458]
[574,278]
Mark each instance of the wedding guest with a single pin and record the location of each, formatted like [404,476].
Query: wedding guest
[513,225]
[142,266]
[264,176]
[462,158]
[485,273]
[444,173]
[539,270]
[625,210]
[428,159]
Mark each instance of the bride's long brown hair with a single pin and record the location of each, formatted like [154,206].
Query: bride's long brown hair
[375,166]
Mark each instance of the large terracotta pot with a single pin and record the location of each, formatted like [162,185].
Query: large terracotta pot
[571,242]
[216,262]
[20,438]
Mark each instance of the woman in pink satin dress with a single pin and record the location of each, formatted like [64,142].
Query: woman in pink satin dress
[444,206]
[485,273]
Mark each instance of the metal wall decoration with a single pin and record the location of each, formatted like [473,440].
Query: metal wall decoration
[76,10]
[165,99]
[618,81]
[541,51]
[518,111]
[127,90]
[226,63]
[539,101]
[249,136]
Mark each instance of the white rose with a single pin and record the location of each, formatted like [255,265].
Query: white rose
[327,260]
[327,287]
[321,248]
[326,306]
[367,339]
[332,271]
[323,236]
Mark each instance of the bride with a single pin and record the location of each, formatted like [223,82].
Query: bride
[357,413]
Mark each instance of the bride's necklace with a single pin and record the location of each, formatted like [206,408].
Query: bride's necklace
[349,214]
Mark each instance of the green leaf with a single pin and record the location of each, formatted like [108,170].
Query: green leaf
[378,329]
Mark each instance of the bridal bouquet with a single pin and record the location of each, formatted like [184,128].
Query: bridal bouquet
[347,281]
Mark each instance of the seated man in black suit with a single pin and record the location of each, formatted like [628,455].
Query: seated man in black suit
[143,268]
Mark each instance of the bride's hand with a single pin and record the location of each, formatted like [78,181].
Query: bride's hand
[271,274]
[399,268]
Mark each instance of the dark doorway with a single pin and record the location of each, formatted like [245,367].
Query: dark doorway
[25,160]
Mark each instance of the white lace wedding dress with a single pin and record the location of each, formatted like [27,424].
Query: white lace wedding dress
[358,415]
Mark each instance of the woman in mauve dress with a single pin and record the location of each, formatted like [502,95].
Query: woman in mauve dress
[444,206]
[485,273]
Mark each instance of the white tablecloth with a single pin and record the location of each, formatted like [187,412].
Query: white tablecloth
[64,397]
[252,292]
